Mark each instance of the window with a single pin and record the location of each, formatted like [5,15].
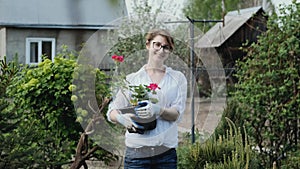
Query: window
[36,47]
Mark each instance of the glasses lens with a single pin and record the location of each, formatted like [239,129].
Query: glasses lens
[158,46]
[167,49]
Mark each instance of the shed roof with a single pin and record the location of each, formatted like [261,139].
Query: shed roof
[88,14]
[218,34]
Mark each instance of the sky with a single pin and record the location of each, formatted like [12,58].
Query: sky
[276,3]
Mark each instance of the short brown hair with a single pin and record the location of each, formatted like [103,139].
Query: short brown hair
[163,32]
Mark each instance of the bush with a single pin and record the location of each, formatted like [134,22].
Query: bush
[8,117]
[233,111]
[227,151]
[45,132]
[268,88]
[293,159]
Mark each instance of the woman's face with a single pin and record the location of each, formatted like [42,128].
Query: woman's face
[158,48]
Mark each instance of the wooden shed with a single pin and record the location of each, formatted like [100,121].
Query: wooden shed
[226,39]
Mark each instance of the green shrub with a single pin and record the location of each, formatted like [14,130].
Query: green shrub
[268,87]
[293,159]
[226,151]
[233,111]
[46,132]
[8,117]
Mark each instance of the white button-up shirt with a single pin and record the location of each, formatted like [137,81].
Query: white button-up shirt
[172,93]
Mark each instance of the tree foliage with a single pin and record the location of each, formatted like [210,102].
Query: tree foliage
[268,88]
[208,10]
[214,10]
[129,39]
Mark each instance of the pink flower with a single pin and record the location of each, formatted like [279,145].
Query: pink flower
[117,58]
[153,86]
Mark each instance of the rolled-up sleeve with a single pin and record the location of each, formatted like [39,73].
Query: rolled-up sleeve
[179,103]
[120,101]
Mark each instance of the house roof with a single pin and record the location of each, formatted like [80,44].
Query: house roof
[87,14]
[218,34]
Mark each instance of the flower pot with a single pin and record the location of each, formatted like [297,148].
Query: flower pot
[143,124]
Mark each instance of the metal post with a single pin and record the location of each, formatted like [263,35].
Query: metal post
[192,80]
[192,54]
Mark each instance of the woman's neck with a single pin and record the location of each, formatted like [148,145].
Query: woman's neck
[156,73]
[155,67]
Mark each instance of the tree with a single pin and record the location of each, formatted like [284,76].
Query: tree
[214,10]
[129,39]
[268,88]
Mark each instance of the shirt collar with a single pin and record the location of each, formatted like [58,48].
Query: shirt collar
[143,69]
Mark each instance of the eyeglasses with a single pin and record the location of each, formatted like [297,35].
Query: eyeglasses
[158,46]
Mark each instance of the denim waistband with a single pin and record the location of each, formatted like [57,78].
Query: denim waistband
[147,151]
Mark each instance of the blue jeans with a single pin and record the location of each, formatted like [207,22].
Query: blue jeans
[165,160]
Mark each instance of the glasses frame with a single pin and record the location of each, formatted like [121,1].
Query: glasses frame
[166,48]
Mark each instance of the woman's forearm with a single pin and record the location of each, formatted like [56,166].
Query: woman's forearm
[170,114]
[113,115]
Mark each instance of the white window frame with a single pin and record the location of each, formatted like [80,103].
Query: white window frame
[39,41]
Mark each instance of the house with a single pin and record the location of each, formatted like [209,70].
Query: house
[239,27]
[31,28]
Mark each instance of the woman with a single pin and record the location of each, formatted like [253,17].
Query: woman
[155,148]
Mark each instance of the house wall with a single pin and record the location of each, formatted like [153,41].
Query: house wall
[16,39]
[2,43]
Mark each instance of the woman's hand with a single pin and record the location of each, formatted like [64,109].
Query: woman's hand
[126,121]
[146,109]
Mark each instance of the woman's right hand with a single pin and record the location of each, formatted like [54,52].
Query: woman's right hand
[126,121]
